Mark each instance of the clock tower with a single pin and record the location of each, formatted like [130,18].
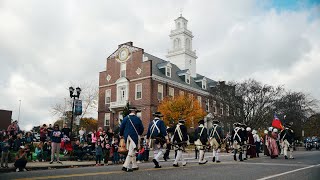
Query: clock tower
[181,52]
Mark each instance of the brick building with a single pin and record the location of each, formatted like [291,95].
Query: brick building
[5,119]
[143,80]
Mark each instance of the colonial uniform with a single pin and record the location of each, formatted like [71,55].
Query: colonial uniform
[201,137]
[237,139]
[251,145]
[157,137]
[131,128]
[245,139]
[215,139]
[287,139]
[179,140]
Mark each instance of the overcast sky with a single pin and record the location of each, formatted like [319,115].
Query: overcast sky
[47,45]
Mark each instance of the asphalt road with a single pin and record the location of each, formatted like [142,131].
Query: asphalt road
[306,165]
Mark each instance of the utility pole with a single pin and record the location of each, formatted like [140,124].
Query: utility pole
[19,110]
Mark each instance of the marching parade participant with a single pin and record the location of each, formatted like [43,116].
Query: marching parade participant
[256,140]
[244,142]
[215,139]
[179,139]
[287,139]
[236,139]
[130,129]
[272,144]
[157,137]
[251,150]
[201,137]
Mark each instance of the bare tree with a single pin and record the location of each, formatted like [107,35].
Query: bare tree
[296,107]
[89,97]
[258,102]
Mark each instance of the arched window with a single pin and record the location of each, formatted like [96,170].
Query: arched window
[178,25]
[177,43]
[188,44]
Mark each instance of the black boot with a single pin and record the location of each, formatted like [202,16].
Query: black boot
[156,163]
[214,159]
[240,156]
[235,157]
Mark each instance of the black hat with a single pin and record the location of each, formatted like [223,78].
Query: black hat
[289,124]
[201,121]
[157,114]
[182,121]
[134,109]
[215,121]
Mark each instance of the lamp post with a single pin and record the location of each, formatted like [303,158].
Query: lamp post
[74,96]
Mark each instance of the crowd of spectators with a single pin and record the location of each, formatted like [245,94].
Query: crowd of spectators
[23,147]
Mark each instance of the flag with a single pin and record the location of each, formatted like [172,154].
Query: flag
[276,122]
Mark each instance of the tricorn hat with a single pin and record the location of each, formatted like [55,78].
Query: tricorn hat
[201,121]
[131,108]
[182,121]
[215,121]
[157,114]
[289,124]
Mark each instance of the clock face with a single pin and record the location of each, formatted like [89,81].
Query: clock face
[123,54]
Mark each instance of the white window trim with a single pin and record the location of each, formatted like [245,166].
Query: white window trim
[136,93]
[221,108]
[171,89]
[200,99]
[160,87]
[187,78]
[204,84]
[168,69]
[124,66]
[214,103]
[105,119]
[105,100]
[208,105]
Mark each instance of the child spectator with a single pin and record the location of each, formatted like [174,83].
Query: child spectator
[140,156]
[39,152]
[93,139]
[98,153]
[115,147]
[21,160]
[5,152]
[78,150]
[46,150]
[106,151]
[28,152]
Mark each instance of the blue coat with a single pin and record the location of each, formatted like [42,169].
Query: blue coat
[127,129]
[160,125]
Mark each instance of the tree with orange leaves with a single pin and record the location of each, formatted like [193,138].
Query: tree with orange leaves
[183,107]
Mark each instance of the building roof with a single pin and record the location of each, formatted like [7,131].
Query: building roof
[158,63]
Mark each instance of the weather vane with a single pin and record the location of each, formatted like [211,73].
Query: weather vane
[181,10]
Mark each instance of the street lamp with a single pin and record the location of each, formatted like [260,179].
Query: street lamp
[74,96]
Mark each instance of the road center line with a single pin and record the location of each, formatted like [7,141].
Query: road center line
[288,172]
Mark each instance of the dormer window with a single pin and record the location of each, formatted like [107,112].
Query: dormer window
[204,84]
[168,71]
[188,78]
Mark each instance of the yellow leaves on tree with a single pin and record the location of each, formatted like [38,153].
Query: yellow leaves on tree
[181,107]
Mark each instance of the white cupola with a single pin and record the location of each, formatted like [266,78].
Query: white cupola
[181,52]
